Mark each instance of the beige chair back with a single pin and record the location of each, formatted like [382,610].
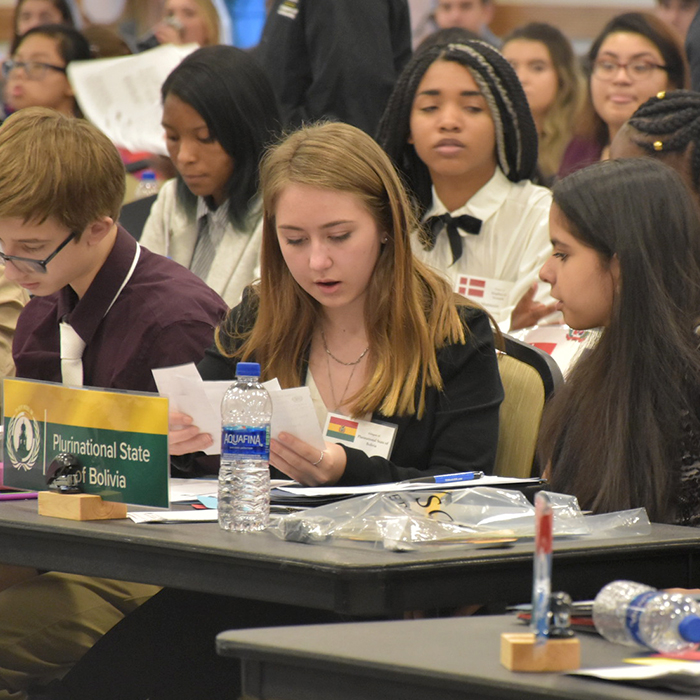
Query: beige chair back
[519,417]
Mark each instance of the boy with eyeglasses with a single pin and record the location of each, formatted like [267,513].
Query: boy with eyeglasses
[61,188]
[105,312]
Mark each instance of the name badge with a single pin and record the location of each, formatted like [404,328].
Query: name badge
[374,439]
[289,9]
[492,294]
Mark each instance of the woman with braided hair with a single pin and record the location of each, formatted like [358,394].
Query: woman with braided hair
[666,127]
[459,129]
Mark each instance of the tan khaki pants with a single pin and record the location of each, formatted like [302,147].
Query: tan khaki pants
[48,622]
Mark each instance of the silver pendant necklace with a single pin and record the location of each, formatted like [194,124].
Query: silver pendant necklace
[340,362]
[337,404]
[329,356]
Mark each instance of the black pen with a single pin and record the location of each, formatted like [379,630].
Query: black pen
[445,478]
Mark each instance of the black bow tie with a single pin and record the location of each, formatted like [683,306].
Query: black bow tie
[468,224]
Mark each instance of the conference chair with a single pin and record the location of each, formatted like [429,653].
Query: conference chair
[134,214]
[529,377]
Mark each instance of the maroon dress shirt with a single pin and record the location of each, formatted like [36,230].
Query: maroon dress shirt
[164,316]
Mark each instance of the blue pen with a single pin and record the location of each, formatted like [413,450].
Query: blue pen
[445,478]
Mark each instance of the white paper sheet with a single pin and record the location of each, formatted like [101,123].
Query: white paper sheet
[184,490]
[292,409]
[174,516]
[121,96]
[293,412]
[168,381]
[307,491]
[683,677]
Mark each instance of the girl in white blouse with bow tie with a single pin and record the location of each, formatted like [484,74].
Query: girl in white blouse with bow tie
[459,128]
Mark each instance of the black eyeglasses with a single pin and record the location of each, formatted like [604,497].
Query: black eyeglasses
[31,265]
[34,70]
[607,68]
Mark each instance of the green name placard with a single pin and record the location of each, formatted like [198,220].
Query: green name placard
[121,439]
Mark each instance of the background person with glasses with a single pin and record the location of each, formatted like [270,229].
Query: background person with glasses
[35,74]
[635,57]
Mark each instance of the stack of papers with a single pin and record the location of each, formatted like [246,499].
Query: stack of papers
[294,493]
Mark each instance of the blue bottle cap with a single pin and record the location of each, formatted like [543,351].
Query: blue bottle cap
[689,628]
[247,369]
[148,176]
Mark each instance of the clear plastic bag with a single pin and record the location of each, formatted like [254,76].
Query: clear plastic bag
[406,520]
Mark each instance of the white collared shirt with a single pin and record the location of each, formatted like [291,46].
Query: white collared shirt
[171,232]
[511,247]
[216,220]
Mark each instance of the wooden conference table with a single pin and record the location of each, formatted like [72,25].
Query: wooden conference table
[351,581]
[450,659]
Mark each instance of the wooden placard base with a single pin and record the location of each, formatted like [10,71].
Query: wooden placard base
[79,506]
[518,653]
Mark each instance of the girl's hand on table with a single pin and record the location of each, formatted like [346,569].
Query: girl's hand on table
[306,464]
[184,437]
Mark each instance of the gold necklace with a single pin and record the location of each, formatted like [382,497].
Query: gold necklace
[337,403]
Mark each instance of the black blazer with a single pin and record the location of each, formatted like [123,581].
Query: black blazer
[459,429]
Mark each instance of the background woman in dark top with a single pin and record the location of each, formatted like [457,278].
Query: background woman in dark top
[635,57]
[624,431]
[344,307]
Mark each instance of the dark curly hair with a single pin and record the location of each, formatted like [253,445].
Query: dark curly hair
[672,120]
[516,135]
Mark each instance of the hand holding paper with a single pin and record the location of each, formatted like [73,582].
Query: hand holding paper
[184,437]
[305,463]
[195,410]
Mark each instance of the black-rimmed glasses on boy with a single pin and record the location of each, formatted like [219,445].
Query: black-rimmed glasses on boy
[31,265]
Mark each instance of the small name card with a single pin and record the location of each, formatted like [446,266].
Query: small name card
[374,439]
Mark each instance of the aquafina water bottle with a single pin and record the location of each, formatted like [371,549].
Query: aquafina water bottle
[638,615]
[244,475]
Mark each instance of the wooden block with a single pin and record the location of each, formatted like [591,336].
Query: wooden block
[79,506]
[518,653]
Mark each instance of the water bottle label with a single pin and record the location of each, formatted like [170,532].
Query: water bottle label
[634,613]
[245,443]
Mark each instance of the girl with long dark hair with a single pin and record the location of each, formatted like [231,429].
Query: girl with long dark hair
[634,57]
[624,431]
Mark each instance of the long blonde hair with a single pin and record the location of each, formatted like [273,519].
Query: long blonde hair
[559,122]
[211,21]
[410,311]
